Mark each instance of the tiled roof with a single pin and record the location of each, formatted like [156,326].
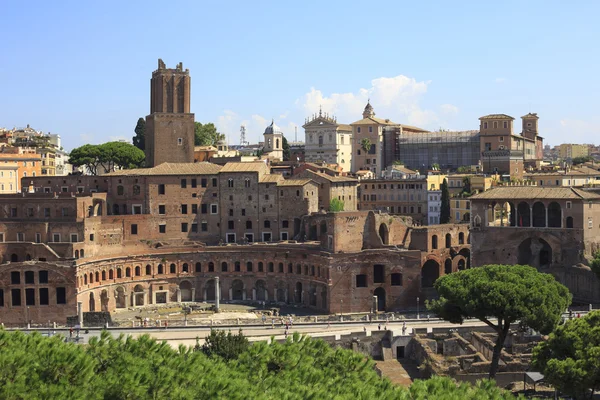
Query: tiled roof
[373,120]
[258,166]
[497,116]
[531,115]
[201,168]
[294,182]
[535,193]
[344,127]
[271,178]
[329,177]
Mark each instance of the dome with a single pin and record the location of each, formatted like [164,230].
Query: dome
[273,129]
[368,110]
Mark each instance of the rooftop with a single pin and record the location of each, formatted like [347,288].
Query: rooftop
[497,116]
[374,120]
[201,168]
[535,193]
[256,166]
[294,182]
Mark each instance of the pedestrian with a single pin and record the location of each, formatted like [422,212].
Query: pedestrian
[264,318]
[427,317]
[328,324]
[71,332]
[166,324]
[273,323]
[365,329]
[578,315]
[379,327]
[404,328]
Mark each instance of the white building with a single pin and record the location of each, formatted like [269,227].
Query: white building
[434,206]
[327,141]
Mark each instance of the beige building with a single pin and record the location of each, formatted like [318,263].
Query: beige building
[571,177]
[328,141]
[273,146]
[369,128]
[570,151]
[332,187]
[460,209]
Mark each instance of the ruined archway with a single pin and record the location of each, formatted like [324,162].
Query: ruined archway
[539,214]
[535,252]
[380,294]
[298,293]
[209,289]
[120,297]
[186,291]
[92,302]
[281,287]
[448,266]
[384,234]
[312,295]
[261,290]
[138,295]
[237,290]
[104,300]
[466,253]
[461,264]
[523,214]
[429,273]
[554,215]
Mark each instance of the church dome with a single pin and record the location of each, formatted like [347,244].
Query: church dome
[273,129]
[368,110]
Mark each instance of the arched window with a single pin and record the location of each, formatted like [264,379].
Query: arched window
[119,273]
[211,267]
[461,238]
[448,240]
[111,274]
[160,269]
[223,266]
[127,272]
[97,276]
[198,267]
[185,267]
[320,140]
[148,269]
[434,242]
[85,279]
[103,275]
[249,266]
[173,268]
[276,143]
[138,271]
[91,278]
[120,190]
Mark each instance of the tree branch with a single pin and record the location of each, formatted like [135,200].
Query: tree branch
[495,327]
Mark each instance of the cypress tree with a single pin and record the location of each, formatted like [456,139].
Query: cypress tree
[445,210]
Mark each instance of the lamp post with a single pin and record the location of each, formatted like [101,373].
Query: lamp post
[28,323]
[341,310]
[418,308]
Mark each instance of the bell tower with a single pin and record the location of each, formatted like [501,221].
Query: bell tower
[170,125]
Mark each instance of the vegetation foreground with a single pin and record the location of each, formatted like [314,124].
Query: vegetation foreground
[36,367]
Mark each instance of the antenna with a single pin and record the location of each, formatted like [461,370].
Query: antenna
[243,141]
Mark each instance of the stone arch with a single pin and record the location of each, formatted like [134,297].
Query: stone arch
[161,269]
[85,279]
[138,270]
[539,214]
[448,240]
[384,234]
[104,300]
[92,302]
[210,290]
[448,266]
[148,269]
[281,287]
[535,252]
[429,273]
[570,222]
[111,274]
[185,267]
[380,294]
[261,290]
[97,276]
[103,275]
[298,292]
[461,238]
[434,242]
[523,214]
[120,297]
[237,290]
[14,257]
[185,288]
[466,253]
[138,295]
[127,272]
[554,215]
[461,264]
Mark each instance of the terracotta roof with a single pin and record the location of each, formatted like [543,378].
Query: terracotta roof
[294,182]
[535,193]
[271,178]
[531,115]
[258,166]
[373,120]
[497,116]
[344,127]
[201,168]
[329,177]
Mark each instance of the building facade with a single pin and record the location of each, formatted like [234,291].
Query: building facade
[273,147]
[327,141]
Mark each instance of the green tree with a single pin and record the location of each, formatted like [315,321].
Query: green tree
[581,160]
[570,358]
[224,345]
[398,162]
[206,134]
[435,167]
[366,144]
[505,293]
[286,149]
[466,185]
[107,156]
[445,208]
[139,140]
[336,205]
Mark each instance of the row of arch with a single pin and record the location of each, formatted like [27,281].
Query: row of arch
[431,270]
[137,271]
[525,215]
[448,240]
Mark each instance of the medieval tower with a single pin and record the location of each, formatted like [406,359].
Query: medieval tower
[170,125]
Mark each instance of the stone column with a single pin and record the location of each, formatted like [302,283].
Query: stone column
[154,297]
[145,297]
[230,294]
[178,295]
[132,298]
[204,295]
[266,295]
[243,294]
[530,216]
[302,297]
[561,218]
[217,293]
[286,295]
[193,294]
[253,294]
[546,216]
[79,313]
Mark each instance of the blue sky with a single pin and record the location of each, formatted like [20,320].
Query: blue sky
[82,69]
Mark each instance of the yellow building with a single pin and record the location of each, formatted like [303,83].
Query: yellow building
[460,209]
[567,150]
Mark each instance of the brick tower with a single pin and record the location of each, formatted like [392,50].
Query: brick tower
[170,125]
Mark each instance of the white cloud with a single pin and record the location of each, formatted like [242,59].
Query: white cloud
[501,80]
[396,98]
[570,130]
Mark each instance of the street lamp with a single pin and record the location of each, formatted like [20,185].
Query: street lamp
[417,308]
[341,310]
[28,323]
